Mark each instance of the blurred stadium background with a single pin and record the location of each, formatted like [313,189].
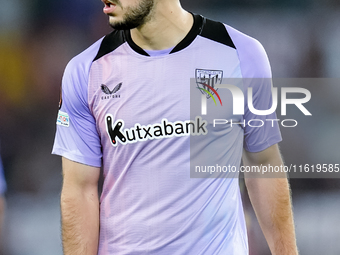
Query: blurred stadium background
[38,38]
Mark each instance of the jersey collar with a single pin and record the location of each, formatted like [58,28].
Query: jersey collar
[188,39]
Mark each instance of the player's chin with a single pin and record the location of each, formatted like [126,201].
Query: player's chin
[114,19]
[116,26]
[114,22]
[122,25]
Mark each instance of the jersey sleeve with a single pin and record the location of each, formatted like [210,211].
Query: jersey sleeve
[76,137]
[256,73]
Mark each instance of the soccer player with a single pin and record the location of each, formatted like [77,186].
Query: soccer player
[126,106]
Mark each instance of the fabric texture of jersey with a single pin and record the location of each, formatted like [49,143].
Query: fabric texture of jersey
[114,94]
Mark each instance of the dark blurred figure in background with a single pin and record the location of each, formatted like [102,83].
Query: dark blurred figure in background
[2,202]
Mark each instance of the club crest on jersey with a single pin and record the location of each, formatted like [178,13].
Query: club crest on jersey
[111,93]
[206,80]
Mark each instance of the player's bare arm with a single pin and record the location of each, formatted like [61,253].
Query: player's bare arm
[271,200]
[80,208]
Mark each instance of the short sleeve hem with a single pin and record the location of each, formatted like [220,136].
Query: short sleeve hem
[95,162]
[266,144]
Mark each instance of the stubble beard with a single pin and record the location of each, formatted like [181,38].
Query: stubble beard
[135,16]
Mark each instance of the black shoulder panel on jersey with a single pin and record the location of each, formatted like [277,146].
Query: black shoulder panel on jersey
[217,32]
[110,42]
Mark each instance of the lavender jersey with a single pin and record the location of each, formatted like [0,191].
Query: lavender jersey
[130,111]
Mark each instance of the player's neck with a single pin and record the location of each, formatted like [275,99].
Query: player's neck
[168,25]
